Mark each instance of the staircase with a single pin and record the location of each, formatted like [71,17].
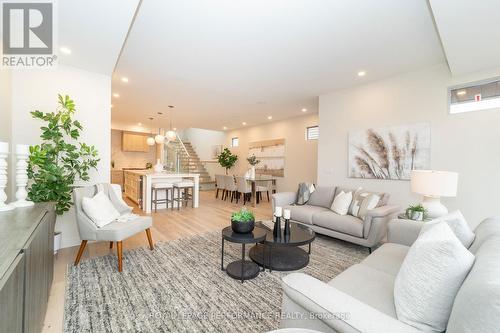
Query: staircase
[190,162]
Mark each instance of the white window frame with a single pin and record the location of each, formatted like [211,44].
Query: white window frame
[307,133]
[233,140]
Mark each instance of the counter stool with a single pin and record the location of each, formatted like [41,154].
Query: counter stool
[168,187]
[185,186]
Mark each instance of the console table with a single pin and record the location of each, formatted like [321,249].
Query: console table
[26,266]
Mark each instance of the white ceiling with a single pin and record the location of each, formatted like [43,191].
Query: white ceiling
[222,62]
[469,32]
[94,31]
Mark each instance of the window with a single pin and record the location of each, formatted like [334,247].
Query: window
[474,96]
[312,133]
[235,142]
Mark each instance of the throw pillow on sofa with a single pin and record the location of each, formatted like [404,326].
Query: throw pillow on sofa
[429,278]
[456,221]
[342,202]
[99,209]
[370,202]
[362,202]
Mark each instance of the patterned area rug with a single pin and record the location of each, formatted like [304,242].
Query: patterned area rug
[179,287]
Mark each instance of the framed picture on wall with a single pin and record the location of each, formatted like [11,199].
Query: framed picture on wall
[389,152]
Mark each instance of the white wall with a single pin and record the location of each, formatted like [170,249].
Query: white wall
[37,90]
[300,154]
[203,140]
[466,143]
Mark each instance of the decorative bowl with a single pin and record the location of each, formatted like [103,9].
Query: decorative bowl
[242,227]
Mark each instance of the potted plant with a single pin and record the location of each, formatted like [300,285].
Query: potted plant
[253,161]
[227,159]
[416,212]
[61,159]
[242,221]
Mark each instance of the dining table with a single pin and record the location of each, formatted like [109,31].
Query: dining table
[260,179]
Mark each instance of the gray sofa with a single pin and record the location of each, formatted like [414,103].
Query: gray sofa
[318,215]
[360,299]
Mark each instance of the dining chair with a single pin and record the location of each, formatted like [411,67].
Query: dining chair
[220,185]
[115,231]
[243,188]
[230,187]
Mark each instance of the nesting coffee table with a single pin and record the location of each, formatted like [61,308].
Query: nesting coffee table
[283,253]
[242,269]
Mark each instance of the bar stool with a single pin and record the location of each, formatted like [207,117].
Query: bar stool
[169,188]
[185,186]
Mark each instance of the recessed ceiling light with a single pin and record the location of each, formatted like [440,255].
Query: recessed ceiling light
[361,73]
[244,123]
[269,117]
[125,79]
[116,95]
[304,110]
[461,92]
[65,50]
[224,128]
[139,124]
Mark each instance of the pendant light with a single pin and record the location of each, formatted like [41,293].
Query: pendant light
[151,140]
[171,135]
[160,139]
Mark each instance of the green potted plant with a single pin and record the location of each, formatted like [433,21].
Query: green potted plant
[242,221]
[61,159]
[416,212]
[253,161]
[227,159]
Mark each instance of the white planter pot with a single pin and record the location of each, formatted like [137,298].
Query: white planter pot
[57,241]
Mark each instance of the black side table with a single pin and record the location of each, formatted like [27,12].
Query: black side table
[242,269]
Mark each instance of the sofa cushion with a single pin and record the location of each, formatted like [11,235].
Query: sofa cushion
[368,285]
[486,229]
[322,196]
[477,304]
[304,213]
[429,279]
[346,224]
[388,258]
[456,221]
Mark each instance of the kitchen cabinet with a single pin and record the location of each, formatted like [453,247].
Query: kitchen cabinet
[117,177]
[135,142]
[133,186]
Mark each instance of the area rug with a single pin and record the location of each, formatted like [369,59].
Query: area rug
[179,287]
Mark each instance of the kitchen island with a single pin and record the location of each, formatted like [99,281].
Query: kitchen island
[144,180]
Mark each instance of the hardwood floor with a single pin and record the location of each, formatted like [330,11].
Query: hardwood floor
[213,214]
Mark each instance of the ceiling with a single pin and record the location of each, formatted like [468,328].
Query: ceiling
[94,31]
[469,33]
[224,62]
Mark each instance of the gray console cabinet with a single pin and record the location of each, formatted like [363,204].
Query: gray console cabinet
[26,267]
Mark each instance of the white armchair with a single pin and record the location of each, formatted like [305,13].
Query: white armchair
[113,232]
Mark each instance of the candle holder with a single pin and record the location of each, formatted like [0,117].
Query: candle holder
[277,227]
[287,228]
[22,152]
[3,177]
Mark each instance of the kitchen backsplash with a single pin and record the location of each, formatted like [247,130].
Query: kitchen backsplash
[125,159]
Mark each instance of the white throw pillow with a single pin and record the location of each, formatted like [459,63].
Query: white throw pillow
[342,202]
[429,278]
[368,203]
[100,209]
[456,221]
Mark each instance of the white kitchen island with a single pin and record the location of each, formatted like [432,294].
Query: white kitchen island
[150,177]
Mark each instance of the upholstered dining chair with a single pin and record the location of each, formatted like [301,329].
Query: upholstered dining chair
[220,185]
[230,187]
[116,231]
[243,188]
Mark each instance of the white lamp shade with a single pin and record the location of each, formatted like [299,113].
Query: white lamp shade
[170,135]
[159,139]
[434,183]
[151,141]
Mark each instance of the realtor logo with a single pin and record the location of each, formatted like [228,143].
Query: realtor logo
[28,34]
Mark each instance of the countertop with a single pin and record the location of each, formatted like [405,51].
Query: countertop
[164,174]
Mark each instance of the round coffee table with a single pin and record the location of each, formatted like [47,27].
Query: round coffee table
[242,269]
[284,253]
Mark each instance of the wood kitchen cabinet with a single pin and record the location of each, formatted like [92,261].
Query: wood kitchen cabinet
[135,142]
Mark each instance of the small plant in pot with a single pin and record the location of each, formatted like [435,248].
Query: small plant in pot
[416,212]
[242,221]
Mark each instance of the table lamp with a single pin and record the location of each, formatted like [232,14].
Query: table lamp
[433,185]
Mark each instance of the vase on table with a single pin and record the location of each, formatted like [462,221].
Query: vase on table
[158,166]
[252,172]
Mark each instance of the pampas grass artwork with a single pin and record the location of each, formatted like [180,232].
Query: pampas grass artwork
[389,153]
